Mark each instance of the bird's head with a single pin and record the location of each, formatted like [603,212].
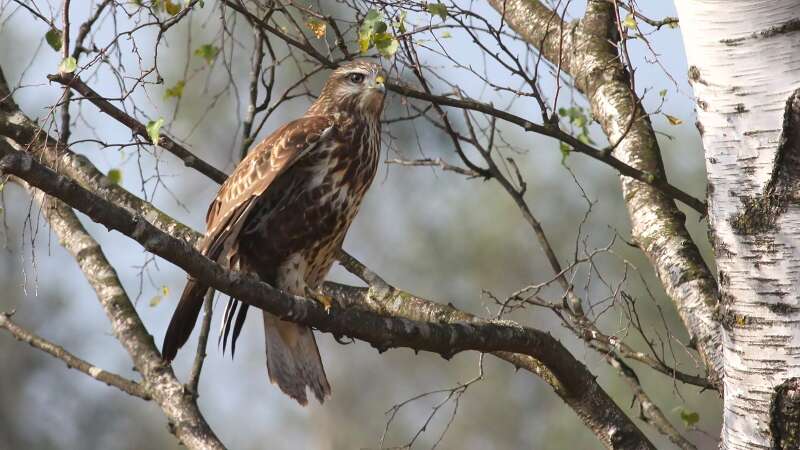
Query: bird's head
[356,86]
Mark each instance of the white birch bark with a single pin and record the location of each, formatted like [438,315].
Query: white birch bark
[744,59]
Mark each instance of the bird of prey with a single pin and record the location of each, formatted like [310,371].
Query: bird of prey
[284,213]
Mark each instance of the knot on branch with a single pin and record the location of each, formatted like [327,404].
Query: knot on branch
[784,424]
[760,214]
[12,162]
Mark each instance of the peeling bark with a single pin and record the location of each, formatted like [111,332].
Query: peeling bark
[761,213]
[744,60]
[784,424]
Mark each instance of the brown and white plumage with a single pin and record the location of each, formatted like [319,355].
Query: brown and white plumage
[285,211]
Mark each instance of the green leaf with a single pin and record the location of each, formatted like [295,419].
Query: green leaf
[53,37]
[565,150]
[629,22]
[68,65]
[373,23]
[689,418]
[446,35]
[114,176]
[208,52]
[379,27]
[401,22]
[154,130]
[585,139]
[437,9]
[372,16]
[386,44]
[176,90]
[662,93]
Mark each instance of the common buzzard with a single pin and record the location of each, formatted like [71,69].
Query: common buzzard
[283,214]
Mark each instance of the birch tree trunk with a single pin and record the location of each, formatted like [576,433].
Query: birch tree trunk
[744,66]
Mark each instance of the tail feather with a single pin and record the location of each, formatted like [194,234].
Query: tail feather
[227,320]
[237,326]
[228,324]
[184,318]
[293,360]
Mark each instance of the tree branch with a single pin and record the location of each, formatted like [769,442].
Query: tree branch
[380,331]
[162,386]
[73,362]
[138,128]
[650,413]
[651,178]
[585,50]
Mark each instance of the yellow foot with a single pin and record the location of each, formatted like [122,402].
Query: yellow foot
[326,300]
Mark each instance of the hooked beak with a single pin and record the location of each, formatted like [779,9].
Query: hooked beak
[379,83]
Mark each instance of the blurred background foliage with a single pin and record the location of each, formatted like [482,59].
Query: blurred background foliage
[436,234]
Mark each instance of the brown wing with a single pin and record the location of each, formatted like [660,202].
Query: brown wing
[232,205]
[254,174]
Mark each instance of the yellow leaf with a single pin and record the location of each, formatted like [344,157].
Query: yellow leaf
[317,27]
[172,8]
[114,176]
[68,65]
[363,42]
[673,120]
[629,22]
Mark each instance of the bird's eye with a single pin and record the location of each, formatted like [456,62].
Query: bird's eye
[356,77]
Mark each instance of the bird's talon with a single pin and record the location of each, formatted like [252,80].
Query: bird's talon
[325,300]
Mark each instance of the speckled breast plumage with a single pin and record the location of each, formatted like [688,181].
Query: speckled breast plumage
[292,238]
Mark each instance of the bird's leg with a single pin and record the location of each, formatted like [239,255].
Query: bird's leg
[325,300]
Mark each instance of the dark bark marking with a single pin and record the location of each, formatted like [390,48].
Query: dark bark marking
[787,27]
[760,213]
[781,308]
[699,125]
[694,75]
[784,413]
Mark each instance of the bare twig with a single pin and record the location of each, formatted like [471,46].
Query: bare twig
[381,332]
[202,344]
[649,411]
[188,158]
[73,362]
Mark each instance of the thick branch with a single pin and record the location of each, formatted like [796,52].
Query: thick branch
[381,332]
[162,386]
[26,134]
[657,223]
[586,52]
[167,143]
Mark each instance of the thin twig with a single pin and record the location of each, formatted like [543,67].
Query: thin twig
[73,362]
[202,344]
